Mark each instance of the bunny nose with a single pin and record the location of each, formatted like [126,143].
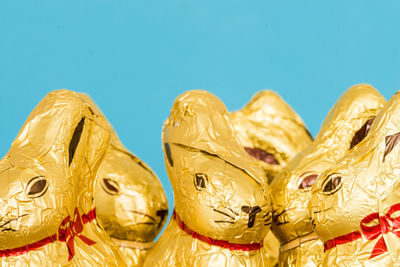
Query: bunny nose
[161,214]
[252,211]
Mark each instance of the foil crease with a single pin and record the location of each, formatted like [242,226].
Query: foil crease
[345,125]
[273,133]
[357,200]
[222,208]
[47,180]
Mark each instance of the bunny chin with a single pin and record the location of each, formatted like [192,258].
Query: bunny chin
[222,211]
[47,214]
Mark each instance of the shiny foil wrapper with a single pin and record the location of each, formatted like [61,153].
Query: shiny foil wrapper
[273,133]
[48,217]
[130,201]
[222,208]
[346,125]
[355,204]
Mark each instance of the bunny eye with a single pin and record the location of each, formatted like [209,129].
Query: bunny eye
[262,155]
[110,186]
[308,180]
[200,181]
[37,187]
[332,184]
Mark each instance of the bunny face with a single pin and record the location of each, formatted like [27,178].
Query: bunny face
[47,185]
[130,201]
[217,199]
[270,131]
[219,190]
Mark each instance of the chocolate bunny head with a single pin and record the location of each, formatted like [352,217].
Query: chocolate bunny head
[270,131]
[219,190]
[47,180]
[130,201]
[354,203]
[345,126]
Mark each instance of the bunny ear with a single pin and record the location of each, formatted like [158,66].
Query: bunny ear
[56,124]
[268,123]
[386,127]
[199,121]
[76,136]
[361,133]
[115,142]
[390,142]
[352,115]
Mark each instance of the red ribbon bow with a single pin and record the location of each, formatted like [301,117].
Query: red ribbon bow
[69,229]
[385,225]
[66,233]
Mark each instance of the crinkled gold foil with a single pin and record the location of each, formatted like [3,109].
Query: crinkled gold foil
[47,178]
[268,123]
[355,204]
[345,126]
[222,211]
[130,201]
[273,133]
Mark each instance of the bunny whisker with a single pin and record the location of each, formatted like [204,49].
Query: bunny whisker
[8,229]
[23,215]
[267,219]
[224,222]
[319,211]
[231,210]
[223,213]
[141,213]
[145,223]
[266,214]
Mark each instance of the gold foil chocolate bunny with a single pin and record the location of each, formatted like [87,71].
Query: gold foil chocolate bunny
[130,201]
[355,204]
[47,214]
[272,132]
[345,126]
[222,209]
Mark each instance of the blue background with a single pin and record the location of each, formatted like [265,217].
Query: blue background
[135,57]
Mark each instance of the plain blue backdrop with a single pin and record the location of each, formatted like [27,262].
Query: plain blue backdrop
[135,57]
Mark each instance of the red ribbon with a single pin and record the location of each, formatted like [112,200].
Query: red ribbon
[66,233]
[215,242]
[385,225]
[69,229]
